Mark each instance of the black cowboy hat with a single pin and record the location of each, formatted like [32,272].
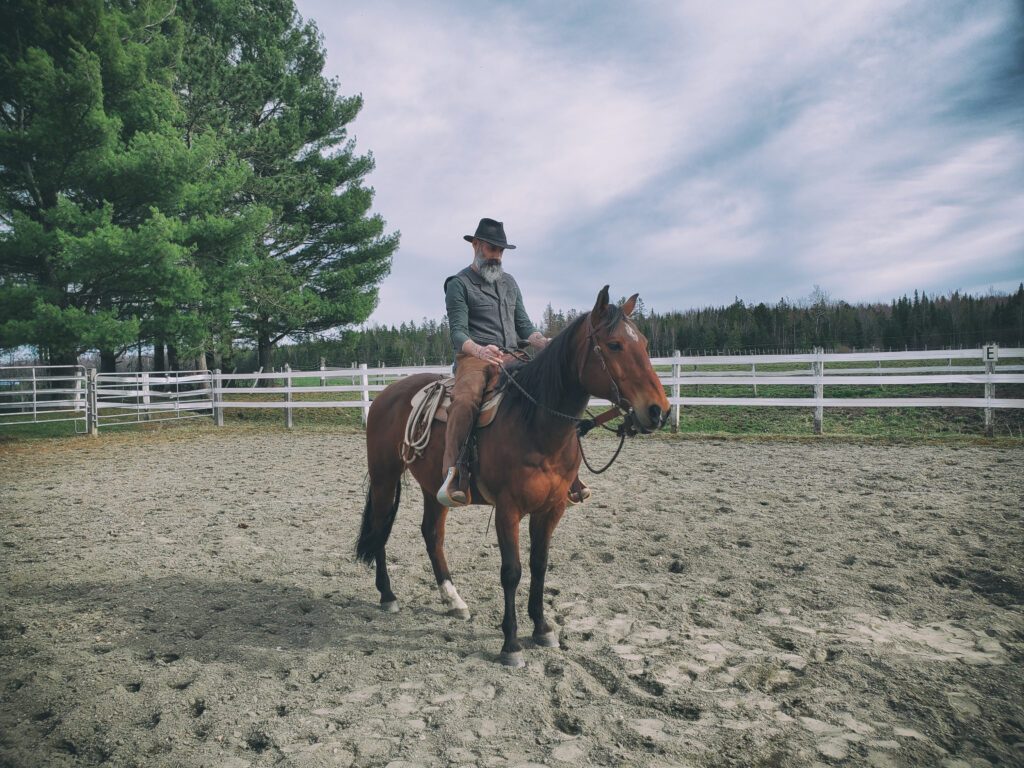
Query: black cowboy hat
[490,231]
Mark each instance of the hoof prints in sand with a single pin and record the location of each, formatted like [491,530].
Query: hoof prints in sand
[193,602]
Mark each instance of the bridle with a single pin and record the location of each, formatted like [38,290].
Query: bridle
[620,407]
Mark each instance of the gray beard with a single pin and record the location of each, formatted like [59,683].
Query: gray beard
[488,271]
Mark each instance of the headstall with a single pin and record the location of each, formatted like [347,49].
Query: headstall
[620,407]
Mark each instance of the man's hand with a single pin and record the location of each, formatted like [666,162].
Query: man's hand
[538,340]
[490,353]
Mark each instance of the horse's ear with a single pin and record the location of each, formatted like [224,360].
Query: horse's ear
[630,305]
[601,306]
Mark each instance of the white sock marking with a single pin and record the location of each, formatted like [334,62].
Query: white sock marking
[450,596]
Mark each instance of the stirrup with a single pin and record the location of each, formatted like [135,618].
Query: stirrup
[578,493]
[453,498]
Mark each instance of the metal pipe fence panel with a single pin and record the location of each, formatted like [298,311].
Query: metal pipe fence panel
[133,398]
[34,394]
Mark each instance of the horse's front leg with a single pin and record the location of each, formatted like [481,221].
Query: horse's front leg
[542,526]
[507,525]
[434,515]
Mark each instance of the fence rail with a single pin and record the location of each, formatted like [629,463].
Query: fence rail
[130,398]
[103,400]
[959,369]
[33,394]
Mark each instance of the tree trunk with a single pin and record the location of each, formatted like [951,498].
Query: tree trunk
[108,361]
[159,360]
[62,357]
[265,351]
[172,358]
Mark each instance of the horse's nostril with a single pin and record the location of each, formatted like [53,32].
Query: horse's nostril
[655,414]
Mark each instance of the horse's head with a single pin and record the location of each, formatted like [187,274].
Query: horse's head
[617,366]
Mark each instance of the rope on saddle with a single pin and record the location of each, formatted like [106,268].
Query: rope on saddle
[417,428]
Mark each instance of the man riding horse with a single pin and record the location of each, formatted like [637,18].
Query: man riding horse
[487,319]
[529,454]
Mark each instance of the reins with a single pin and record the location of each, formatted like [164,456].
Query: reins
[621,407]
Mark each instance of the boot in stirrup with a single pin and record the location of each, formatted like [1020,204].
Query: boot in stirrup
[578,492]
[450,495]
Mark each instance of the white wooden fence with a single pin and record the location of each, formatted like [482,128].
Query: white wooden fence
[129,398]
[839,369]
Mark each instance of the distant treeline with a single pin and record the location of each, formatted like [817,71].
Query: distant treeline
[910,322]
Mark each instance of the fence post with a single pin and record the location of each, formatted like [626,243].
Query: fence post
[92,426]
[81,404]
[323,367]
[753,373]
[35,396]
[675,390]
[288,396]
[819,389]
[217,397]
[365,381]
[145,395]
[990,354]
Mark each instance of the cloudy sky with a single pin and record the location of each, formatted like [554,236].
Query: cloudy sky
[691,151]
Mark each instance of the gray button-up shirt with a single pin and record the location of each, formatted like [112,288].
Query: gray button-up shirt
[487,313]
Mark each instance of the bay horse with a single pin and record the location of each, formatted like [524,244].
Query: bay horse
[526,459]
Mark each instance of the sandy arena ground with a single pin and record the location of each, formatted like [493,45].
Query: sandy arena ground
[189,598]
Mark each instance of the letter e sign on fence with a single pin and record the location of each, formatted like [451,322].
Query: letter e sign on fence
[990,353]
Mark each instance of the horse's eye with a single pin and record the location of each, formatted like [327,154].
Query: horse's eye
[615,346]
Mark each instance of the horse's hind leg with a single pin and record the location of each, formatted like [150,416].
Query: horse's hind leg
[378,518]
[434,516]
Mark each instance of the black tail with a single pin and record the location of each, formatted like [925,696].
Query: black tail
[372,539]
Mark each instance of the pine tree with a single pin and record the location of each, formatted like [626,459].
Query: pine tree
[252,72]
[103,201]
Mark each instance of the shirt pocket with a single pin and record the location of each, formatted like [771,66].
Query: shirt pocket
[508,304]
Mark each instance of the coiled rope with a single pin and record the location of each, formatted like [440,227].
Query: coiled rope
[417,428]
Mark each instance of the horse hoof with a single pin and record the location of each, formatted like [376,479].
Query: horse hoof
[513,660]
[390,607]
[547,640]
[459,613]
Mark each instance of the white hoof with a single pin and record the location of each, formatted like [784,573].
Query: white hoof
[459,613]
[390,607]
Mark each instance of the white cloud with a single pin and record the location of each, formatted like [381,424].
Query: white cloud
[692,151]
[717,224]
[465,125]
[937,226]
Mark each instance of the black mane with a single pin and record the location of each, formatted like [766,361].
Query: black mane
[551,378]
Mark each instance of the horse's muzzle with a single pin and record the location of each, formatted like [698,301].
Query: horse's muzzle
[651,421]
[658,416]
